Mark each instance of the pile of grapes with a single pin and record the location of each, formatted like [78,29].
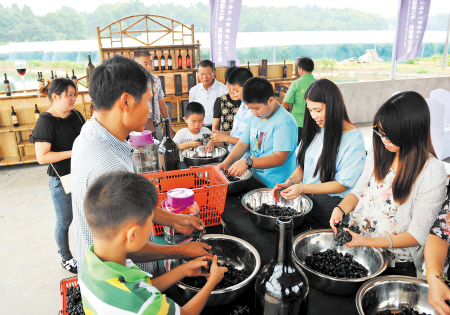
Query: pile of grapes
[404,310]
[335,264]
[74,304]
[230,278]
[276,211]
[230,178]
[342,237]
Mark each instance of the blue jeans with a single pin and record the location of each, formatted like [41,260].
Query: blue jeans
[63,209]
[323,206]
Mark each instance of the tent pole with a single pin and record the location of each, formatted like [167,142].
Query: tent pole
[444,60]
[394,47]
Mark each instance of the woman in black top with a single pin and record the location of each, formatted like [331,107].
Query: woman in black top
[54,134]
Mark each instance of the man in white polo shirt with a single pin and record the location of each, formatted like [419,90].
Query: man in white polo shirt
[207,91]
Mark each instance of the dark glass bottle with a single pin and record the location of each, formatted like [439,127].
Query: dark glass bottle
[7,86]
[56,77]
[284,70]
[67,75]
[163,61]
[155,62]
[180,60]
[281,288]
[168,151]
[248,66]
[188,60]
[36,112]
[89,68]
[169,62]
[52,77]
[74,78]
[14,117]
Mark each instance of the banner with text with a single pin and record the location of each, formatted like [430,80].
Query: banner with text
[411,28]
[223,27]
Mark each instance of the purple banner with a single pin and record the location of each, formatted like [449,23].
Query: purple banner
[223,27]
[411,28]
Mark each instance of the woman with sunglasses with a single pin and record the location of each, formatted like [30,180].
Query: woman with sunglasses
[402,188]
[331,155]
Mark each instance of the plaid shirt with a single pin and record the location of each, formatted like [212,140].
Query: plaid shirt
[96,152]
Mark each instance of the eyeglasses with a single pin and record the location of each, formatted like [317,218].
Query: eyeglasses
[382,136]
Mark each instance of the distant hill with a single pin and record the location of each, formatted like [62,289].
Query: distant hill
[21,24]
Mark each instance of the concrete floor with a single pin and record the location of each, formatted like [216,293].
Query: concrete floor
[30,266]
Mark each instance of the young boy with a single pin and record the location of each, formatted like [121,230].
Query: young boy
[236,81]
[296,94]
[269,135]
[189,137]
[119,210]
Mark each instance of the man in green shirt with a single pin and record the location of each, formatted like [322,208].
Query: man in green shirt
[296,93]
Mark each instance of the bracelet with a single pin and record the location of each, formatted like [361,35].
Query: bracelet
[292,181]
[341,210]
[426,272]
[390,241]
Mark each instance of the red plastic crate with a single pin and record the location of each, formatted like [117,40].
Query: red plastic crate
[64,285]
[209,186]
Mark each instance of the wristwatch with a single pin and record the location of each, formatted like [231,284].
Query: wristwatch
[249,163]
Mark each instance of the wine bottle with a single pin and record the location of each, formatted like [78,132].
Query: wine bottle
[67,75]
[248,66]
[89,68]
[163,61]
[36,112]
[14,117]
[188,60]
[52,77]
[168,151]
[56,76]
[180,60]
[281,288]
[7,86]
[284,70]
[74,78]
[155,62]
[92,109]
[169,61]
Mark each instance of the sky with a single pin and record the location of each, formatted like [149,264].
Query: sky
[386,8]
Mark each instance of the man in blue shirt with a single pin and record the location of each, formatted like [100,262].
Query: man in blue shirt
[270,135]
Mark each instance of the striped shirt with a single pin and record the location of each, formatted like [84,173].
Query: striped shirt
[158,94]
[96,152]
[111,288]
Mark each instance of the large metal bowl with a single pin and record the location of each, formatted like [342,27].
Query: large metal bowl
[238,186]
[374,259]
[230,250]
[257,197]
[392,292]
[198,156]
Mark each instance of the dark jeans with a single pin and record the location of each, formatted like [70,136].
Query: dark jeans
[323,206]
[401,269]
[63,209]
[299,134]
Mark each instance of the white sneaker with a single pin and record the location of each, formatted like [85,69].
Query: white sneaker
[70,265]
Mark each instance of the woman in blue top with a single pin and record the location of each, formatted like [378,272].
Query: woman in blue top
[331,154]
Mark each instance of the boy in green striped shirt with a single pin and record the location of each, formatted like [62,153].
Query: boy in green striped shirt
[119,211]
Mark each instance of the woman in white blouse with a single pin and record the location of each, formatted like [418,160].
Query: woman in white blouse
[402,188]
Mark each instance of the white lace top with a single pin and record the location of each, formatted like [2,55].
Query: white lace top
[418,213]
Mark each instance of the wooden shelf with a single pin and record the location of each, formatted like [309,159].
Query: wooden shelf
[159,72]
[29,159]
[25,127]
[6,129]
[10,161]
[25,143]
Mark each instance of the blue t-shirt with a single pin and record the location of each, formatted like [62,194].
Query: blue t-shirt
[239,124]
[278,134]
[350,160]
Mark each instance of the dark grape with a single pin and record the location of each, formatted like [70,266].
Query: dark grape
[74,303]
[230,278]
[335,264]
[276,211]
[231,178]
[404,310]
[342,237]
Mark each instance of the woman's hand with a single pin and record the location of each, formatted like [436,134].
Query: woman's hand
[238,168]
[336,217]
[216,136]
[276,191]
[357,239]
[292,191]
[438,293]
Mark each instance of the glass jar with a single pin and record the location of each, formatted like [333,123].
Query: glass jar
[179,201]
[145,151]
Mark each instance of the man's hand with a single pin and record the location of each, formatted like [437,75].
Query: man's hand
[218,136]
[238,168]
[194,249]
[187,224]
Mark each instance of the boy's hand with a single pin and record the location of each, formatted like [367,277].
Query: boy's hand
[194,143]
[222,166]
[238,168]
[216,272]
[194,249]
[194,267]
[209,147]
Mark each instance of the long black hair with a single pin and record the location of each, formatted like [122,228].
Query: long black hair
[326,92]
[405,120]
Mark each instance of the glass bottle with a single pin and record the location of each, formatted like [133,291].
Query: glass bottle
[169,61]
[14,117]
[281,287]
[284,70]
[168,151]
[163,61]
[155,62]
[188,60]
[89,68]
[74,77]
[52,77]
[7,86]
[248,66]
[36,112]
[180,60]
